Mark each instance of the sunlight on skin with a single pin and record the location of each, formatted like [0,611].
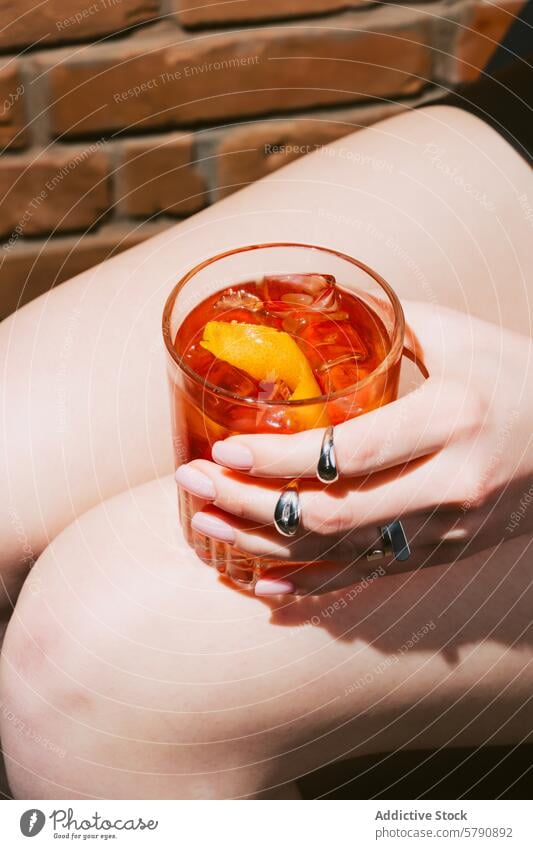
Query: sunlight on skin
[124,648]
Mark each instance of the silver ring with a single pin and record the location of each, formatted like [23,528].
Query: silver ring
[393,540]
[326,470]
[287,512]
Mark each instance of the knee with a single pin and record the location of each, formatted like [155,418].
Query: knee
[33,742]
[106,694]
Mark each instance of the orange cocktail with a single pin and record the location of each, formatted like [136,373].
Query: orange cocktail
[274,339]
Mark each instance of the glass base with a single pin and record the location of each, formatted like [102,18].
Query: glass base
[242,569]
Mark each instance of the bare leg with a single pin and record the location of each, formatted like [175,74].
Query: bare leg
[433,199]
[85,402]
[147,677]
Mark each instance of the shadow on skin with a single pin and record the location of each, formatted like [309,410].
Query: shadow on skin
[487,596]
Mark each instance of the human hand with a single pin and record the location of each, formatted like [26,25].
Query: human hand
[449,459]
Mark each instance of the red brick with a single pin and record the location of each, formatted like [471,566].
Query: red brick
[31,268]
[57,21]
[157,176]
[12,114]
[249,153]
[191,13]
[487,26]
[63,189]
[278,70]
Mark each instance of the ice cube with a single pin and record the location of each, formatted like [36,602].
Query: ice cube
[239,305]
[335,351]
[329,341]
[232,379]
[239,299]
[308,291]
[311,284]
[294,323]
[298,298]
[340,374]
[198,358]
[326,301]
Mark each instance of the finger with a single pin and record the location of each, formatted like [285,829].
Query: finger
[314,564]
[418,424]
[329,511]
[264,542]
[307,548]
[301,580]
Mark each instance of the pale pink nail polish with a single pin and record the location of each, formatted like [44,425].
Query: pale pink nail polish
[232,454]
[194,481]
[267,587]
[214,527]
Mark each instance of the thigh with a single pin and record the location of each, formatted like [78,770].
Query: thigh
[431,199]
[131,670]
[128,669]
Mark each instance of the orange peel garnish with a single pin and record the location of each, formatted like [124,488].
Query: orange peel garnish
[265,354]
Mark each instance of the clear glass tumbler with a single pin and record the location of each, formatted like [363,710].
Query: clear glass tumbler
[203,413]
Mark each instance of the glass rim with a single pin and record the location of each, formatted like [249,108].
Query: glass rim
[393,355]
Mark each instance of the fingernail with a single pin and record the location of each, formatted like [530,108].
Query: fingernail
[267,587]
[235,455]
[194,481]
[212,526]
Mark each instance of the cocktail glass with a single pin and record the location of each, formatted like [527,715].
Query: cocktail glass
[203,412]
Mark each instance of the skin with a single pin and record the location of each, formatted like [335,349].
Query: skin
[88,663]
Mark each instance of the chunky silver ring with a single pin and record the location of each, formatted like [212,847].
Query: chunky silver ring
[394,541]
[326,470]
[287,512]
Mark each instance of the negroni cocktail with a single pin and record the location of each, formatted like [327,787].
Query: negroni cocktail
[274,339]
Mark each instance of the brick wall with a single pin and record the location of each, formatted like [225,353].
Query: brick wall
[118,117]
